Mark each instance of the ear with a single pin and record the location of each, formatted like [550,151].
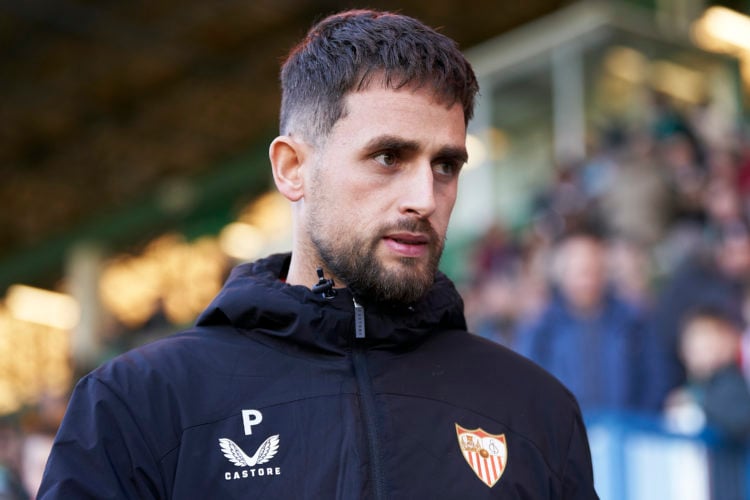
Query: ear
[287,158]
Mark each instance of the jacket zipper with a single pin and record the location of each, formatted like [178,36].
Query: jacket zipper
[367,399]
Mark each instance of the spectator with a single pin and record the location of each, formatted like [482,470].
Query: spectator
[497,302]
[496,252]
[587,336]
[493,301]
[716,277]
[631,273]
[677,154]
[716,391]
[637,203]
[564,205]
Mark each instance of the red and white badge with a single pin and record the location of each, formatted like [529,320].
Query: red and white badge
[485,453]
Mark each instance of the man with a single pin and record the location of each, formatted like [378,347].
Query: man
[588,337]
[343,370]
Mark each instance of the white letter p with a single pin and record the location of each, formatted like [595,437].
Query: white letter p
[251,418]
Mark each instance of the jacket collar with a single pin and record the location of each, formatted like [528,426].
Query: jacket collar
[256,299]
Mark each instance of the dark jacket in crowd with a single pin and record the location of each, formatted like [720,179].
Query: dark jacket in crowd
[599,358]
[725,398]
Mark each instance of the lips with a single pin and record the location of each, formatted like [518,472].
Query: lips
[407,244]
[409,238]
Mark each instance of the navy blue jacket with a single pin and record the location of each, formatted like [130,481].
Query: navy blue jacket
[272,395]
[599,358]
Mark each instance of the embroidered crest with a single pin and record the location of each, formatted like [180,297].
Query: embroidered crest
[486,454]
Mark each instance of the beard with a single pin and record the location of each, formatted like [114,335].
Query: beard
[354,261]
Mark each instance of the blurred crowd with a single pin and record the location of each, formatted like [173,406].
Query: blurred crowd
[631,280]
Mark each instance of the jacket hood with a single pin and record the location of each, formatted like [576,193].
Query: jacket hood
[256,299]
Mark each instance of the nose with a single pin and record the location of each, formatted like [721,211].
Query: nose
[418,192]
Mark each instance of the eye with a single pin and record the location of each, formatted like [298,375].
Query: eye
[387,159]
[447,168]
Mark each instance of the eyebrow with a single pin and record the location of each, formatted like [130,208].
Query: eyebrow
[394,143]
[453,153]
[391,142]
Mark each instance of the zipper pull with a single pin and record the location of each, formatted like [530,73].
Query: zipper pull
[324,286]
[359,320]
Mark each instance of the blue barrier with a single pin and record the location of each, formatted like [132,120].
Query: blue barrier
[638,458]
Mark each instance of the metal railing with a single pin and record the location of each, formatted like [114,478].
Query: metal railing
[636,457]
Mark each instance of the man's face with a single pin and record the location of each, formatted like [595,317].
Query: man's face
[381,190]
[583,274]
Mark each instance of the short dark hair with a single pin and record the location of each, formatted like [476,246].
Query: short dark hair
[714,310]
[345,51]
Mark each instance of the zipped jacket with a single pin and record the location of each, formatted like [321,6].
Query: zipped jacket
[281,393]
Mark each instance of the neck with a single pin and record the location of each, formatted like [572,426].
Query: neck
[299,272]
[303,270]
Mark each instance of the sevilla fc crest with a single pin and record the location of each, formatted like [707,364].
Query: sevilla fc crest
[485,453]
